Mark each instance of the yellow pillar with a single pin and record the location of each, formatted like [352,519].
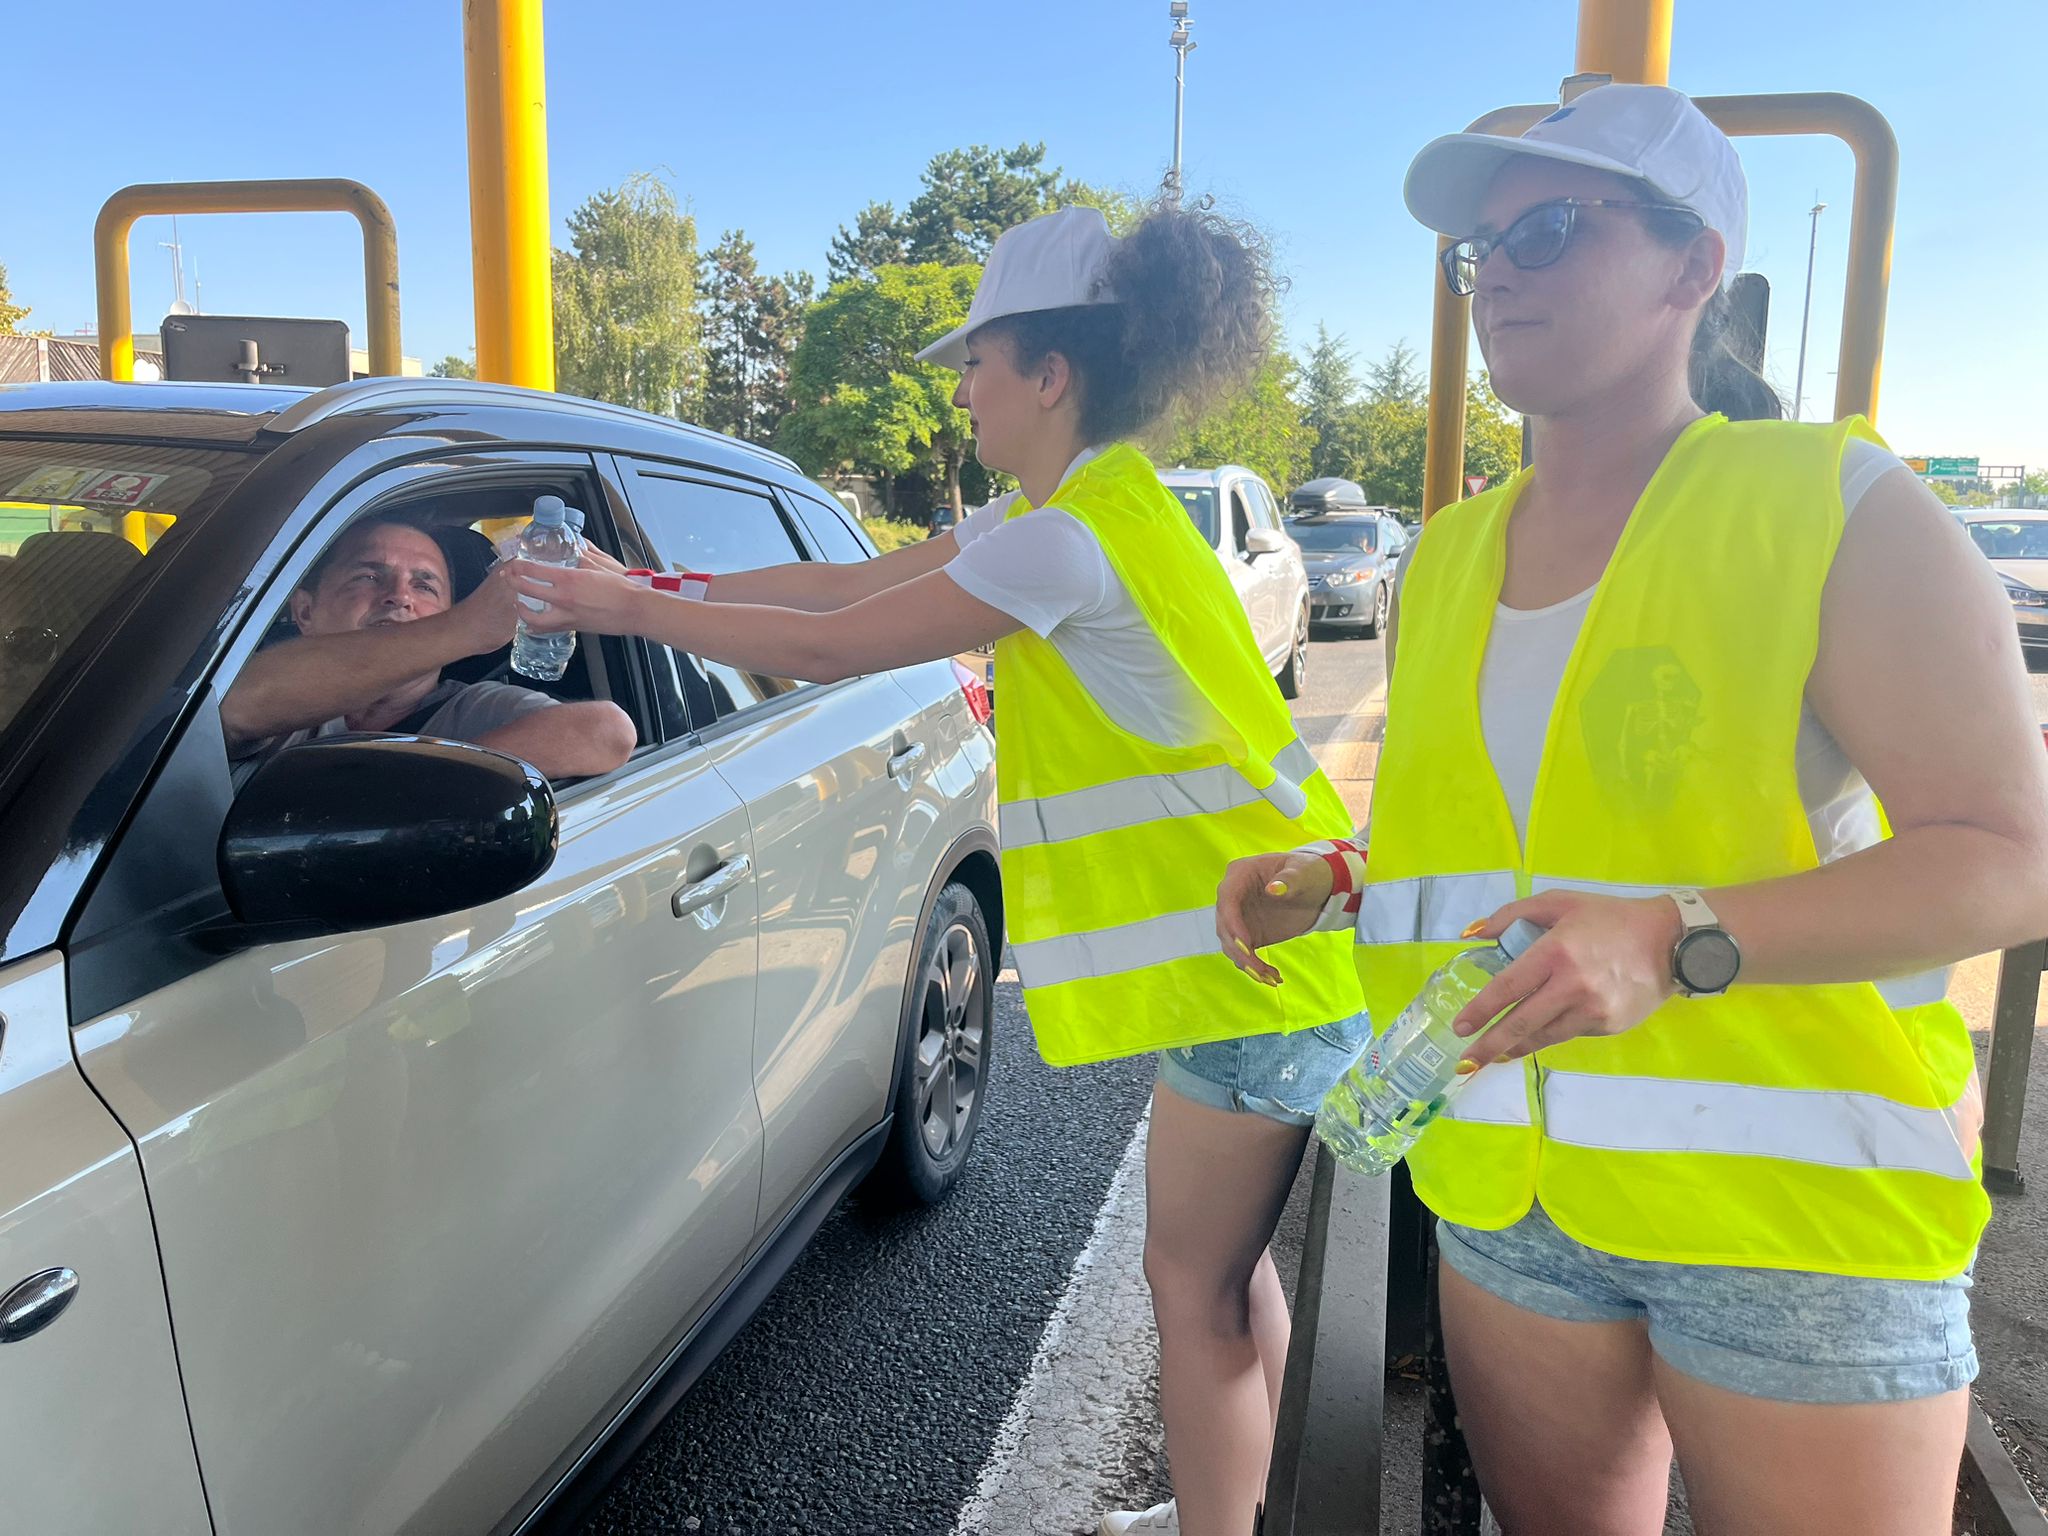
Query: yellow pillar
[510,237]
[1628,39]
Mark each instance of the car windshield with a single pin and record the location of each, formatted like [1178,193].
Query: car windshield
[79,520]
[1337,536]
[1200,500]
[2020,539]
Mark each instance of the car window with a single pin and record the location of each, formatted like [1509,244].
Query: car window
[78,523]
[829,530]
[1263,506]
[1240,517]
[700,525]
[2020,539]
[1200,500]
[1337,534]
[464,517]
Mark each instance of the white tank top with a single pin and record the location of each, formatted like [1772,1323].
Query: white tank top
[1528,650]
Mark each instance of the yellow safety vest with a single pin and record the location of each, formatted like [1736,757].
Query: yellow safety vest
[1810,1127]
[1113,845]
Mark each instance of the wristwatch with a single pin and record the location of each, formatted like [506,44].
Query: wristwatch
[1706,959]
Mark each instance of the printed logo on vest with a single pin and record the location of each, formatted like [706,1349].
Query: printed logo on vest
[1640,720]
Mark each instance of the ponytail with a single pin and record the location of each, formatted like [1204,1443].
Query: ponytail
[1719,378]
[1189,319]
[1722,381]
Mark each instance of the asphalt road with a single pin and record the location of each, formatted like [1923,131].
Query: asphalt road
[867,1396]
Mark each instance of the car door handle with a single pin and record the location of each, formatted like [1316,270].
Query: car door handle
[906,761]
[717,885]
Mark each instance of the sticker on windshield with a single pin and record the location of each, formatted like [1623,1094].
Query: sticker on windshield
[121,488]
[53,482]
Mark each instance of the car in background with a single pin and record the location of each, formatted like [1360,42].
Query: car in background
[387,1135]
[1351,559]
[1237,517]
[2016,544]
[941,521]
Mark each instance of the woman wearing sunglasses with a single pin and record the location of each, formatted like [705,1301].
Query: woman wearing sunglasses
[1715,1187]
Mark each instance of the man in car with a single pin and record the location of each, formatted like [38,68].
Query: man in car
[378,619]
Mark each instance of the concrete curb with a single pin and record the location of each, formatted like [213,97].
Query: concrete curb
[1992,1485]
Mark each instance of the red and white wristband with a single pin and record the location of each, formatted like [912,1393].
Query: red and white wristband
[693,584]
[1346,858]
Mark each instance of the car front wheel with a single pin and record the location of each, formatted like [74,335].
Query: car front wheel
[943,1078]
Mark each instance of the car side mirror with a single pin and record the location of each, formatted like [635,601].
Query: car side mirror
[1265,541]
[352,832]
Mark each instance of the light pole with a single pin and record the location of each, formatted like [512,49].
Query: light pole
[1182,46]
[1806,314]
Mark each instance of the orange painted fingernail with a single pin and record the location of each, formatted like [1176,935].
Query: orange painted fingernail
[1475,930]
[1240,943]
[1277,888]
[1467,1067]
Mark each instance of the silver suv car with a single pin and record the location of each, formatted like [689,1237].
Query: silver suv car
[386,1138]
[1236,515]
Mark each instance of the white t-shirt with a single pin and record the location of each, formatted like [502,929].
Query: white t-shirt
[1529,648]
[1049,573]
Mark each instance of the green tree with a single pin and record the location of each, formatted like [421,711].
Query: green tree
[971,196]
[1119,210]
[751,325]
[11,313]
[1329,386]
[1493,435]
[1261,427]
[1943,492]
[1393,441]
[2033,489]
[453,367]
[1396,378]
[876,240]
[626,325]
[862,400]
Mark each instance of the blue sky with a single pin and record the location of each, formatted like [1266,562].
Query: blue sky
[782,119]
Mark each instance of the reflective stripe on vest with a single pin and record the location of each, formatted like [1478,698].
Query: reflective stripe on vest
[1437,909]
[1112,951]
[1147,797]
[1842,1130]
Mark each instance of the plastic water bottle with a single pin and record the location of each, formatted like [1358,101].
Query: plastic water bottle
[547,540]
[1410,1074]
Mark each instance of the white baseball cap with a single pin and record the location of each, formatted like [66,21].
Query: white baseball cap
[1648,133]
[1054,261]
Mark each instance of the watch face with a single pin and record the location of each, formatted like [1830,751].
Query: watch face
[1707,961]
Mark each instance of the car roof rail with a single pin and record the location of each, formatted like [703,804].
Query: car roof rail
[360,396]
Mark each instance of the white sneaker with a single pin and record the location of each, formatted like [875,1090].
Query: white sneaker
[1159,1520]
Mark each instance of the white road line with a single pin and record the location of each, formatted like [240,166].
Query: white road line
[1058,1447]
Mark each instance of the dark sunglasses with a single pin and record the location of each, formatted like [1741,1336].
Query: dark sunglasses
[1536,239]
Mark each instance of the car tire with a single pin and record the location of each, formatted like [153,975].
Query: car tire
[1293,677]
[1377,624]
[942,1080]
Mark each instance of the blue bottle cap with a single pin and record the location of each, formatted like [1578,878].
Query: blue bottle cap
[1520,935]
[550,511]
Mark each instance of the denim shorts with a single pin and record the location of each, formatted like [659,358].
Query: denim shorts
[1282,1077]
[1789,1335]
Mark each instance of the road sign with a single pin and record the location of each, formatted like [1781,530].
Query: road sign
[1474,484]
[1950,469]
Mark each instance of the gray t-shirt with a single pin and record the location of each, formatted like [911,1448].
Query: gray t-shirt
[461,712]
